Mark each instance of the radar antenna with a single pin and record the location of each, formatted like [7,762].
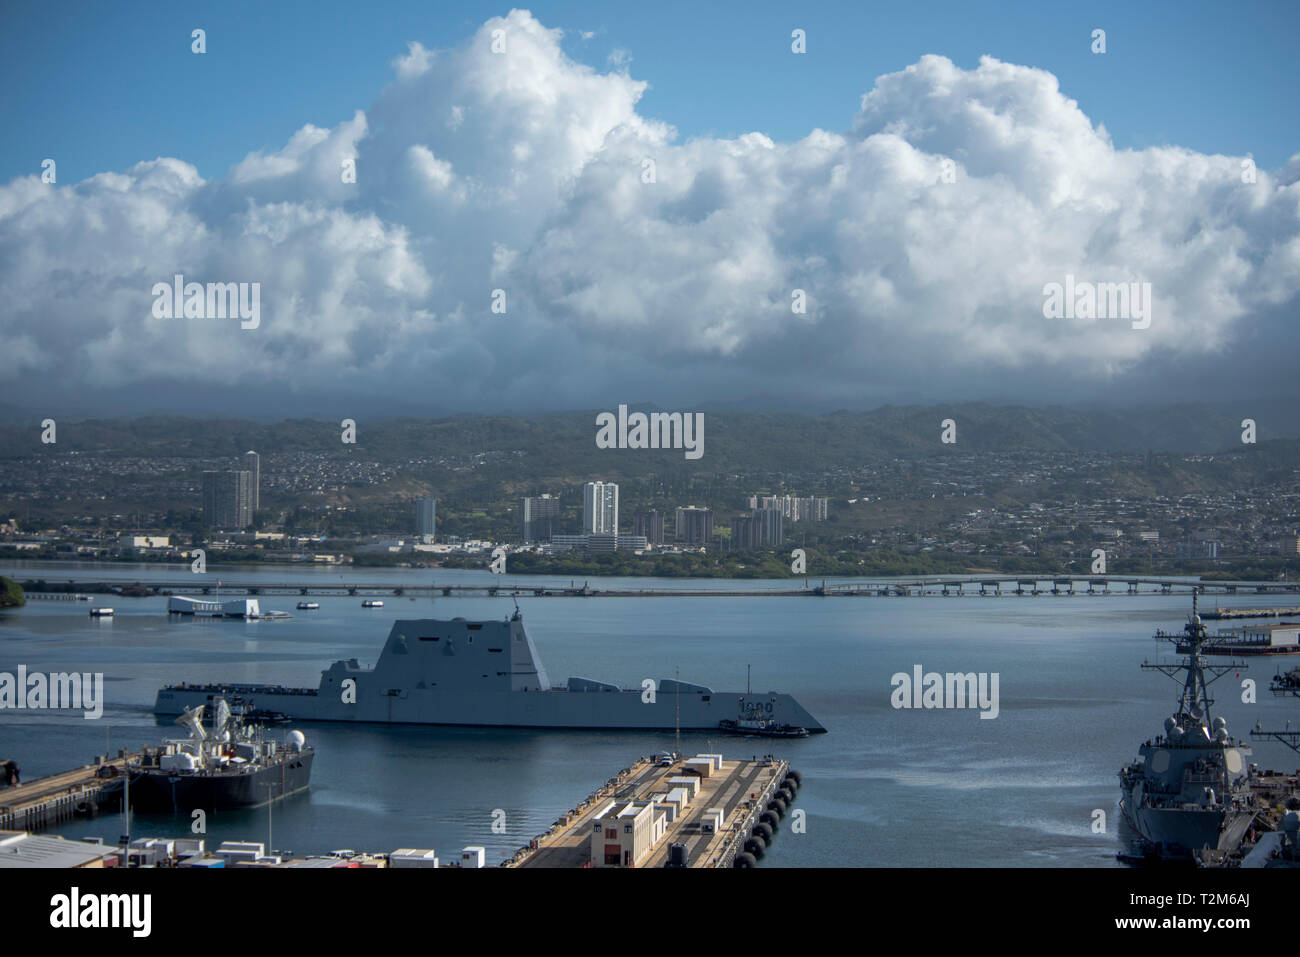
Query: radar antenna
[192,718]
[1195,700]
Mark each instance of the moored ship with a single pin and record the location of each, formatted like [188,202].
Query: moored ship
[1190,792]
[488,673]
[232,765]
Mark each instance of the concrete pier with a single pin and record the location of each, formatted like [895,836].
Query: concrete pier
[34,805]
[740,790]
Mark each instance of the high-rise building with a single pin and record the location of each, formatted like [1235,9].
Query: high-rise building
[746,532]
[796,509]
[426,517]
[694,526]
[758,529]
[228,500]
[773,531]
[253,463]
[651,525]
[600,508]
[539,516]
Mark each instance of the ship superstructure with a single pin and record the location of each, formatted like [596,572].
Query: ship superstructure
[488,673]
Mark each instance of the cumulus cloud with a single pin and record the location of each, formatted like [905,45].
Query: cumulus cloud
[637,266]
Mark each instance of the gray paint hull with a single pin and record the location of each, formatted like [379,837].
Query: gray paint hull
[519,709]
[1182,832]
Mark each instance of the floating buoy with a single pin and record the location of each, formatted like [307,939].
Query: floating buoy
[744,859]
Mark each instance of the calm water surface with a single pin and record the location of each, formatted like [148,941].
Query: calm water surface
[884,787]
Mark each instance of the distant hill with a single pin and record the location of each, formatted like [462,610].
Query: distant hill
[733,440]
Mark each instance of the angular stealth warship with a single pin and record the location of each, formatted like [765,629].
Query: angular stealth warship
[1190,790]
[487,673]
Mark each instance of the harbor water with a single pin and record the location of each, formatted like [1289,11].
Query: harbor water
[886,786]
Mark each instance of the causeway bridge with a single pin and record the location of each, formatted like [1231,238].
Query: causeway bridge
[1020,585]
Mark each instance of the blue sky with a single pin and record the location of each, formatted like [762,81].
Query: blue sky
[878,220]
[101,86]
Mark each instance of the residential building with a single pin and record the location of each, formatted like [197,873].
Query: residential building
[773,527]
[600,508]
[694,526]
[651,525]
[539,516]
[598,543]
[253,465]
[228,500]
[795,509]
[760,528]
[426,518]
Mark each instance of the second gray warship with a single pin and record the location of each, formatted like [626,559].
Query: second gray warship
[1190,790]
[487,673]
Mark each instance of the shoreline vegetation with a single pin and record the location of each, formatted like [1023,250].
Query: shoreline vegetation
[11,593]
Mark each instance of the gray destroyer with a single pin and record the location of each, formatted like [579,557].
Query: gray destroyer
[1190,791]
[488,674]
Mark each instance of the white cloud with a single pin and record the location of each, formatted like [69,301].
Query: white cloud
[523,171]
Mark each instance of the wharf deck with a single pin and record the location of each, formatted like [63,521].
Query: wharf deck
[35,804]
[742,789]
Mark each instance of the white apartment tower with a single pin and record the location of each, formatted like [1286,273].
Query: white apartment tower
[253,465]
[600,508]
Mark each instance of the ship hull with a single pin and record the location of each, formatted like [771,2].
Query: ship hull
[1182,833]
[166,792]
[555,709]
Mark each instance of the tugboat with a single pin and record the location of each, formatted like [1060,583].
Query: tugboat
[1190,790]
[232,765]
[761,728]
[753,721]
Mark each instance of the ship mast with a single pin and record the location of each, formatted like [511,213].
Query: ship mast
[677,710]
[126,803]
[1195,700]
